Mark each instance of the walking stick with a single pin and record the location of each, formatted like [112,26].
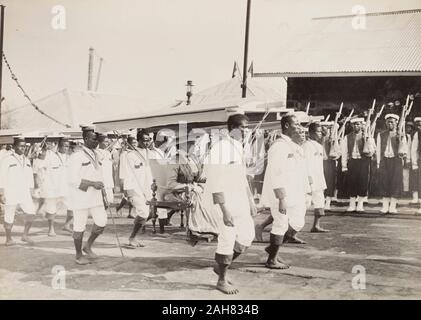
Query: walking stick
[107,207]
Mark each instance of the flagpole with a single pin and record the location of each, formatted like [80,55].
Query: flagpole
[90,68]
[1,58]
[246,49]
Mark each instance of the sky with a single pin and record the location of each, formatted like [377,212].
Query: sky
[150,47]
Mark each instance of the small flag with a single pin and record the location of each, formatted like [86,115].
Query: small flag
[250,70]
[234,70]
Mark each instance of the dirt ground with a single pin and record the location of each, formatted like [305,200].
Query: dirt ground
[329,266]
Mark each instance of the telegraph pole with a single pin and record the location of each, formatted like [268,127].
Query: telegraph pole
[1,53]
[99,73]
[246,51]
[90,68]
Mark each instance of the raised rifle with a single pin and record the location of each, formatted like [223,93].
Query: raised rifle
[374,123]
[334,151]
[341,132]
[403,141]
[369,143]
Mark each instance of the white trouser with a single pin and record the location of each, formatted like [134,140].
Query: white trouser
[317,199]
[80,218]
[9,211]
[295,217]
[240,236]
[141,208]
[51,205]
[110,195]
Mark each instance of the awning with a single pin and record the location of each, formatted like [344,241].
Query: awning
[193,114]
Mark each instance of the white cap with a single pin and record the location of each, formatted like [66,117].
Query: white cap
[392,115]
[357,120]
[326,123]
[417,119]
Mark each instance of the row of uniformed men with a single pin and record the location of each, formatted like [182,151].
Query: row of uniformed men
[356,166]
[79,182]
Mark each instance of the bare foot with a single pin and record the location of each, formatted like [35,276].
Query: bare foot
[276,265]
[10,243]
[293,239]
[258,230]
[89,253]
[226,288]
[135,244]
[318,230]
[52,233]
[67,228]
[82,260]
[216,270]
[27,240]
[278,258]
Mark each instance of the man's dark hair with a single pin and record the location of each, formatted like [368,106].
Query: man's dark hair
[235,120]
[312,128]
[85,133]
[141,133]
[16,141]
[130,140]
[63,140]
[287,119]
[102,137]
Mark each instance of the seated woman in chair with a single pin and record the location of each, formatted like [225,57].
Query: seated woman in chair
[201,225]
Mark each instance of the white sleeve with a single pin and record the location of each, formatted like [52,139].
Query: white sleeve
[408,152]
[4,167]
[278,157]
[414,151]
[309,157]
[123,165]
[344,151]
[378,149]
[75,168]
[129,181]
[30,176]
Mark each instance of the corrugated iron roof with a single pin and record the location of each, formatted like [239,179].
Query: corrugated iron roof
[391,42]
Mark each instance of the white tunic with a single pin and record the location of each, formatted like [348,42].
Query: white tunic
[107,167]
[225,171]
[314,159]
[64,173]
[82,166]
[286,169]
[50,171]
[138,175]
[16,179]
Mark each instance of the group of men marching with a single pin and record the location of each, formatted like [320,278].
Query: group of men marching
[299,174]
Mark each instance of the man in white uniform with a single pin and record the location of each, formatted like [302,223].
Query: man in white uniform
[5,150]
[137,183]
[50,175]
[16,184]
[415,154]
[284,189]
[86,187]
[313,150]
[227,186]
[107,165]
